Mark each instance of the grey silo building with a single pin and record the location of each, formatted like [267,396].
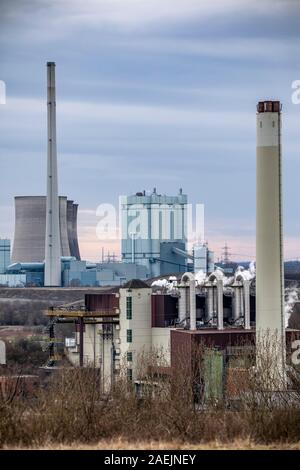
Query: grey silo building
[30,229]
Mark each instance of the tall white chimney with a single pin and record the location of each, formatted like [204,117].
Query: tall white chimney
[52,245]
[269,258]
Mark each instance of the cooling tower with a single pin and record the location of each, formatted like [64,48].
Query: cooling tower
[30,229]
[70,227]
[72,210]
[74,232]
[269,259]
[63,227]
[30,221]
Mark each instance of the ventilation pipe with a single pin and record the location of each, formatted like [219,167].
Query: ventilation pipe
[236,311]
[182,304]
[243,296]
[238,307]
[192,288]
[220,304]
[217,277]
[247,304]
[209,304]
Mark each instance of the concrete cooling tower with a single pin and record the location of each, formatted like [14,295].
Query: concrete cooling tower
[72,210]
[30,229]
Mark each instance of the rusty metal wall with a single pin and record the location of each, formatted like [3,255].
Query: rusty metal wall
[96,302]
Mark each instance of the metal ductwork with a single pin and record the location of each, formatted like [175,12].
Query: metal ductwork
[182,253]
[216,278]
[237,302]
[182,304]
[189,277]
[241,299]
[209,309]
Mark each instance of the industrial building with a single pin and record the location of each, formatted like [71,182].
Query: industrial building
[197,304]
[154,231]
[46,249]
[82,273]
[29,251]
[25,275]
[143,316]
[115,327]
[4,254]
[74,273]
[30,229]
[6,279]
[28,254]
[221,313]
[13,280]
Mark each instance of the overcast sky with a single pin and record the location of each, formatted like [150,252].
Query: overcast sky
[150,93]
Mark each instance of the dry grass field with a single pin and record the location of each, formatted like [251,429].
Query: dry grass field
[68,410]
[120,444]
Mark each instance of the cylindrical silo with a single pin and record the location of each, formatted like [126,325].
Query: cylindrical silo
[269,259]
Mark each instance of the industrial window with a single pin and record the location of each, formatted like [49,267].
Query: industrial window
[129,374]
[129,356]
[129,336]
[129,308]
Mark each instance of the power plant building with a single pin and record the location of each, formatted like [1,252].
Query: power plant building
[81,273]
[30,229]
[123,323]
[154,231]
